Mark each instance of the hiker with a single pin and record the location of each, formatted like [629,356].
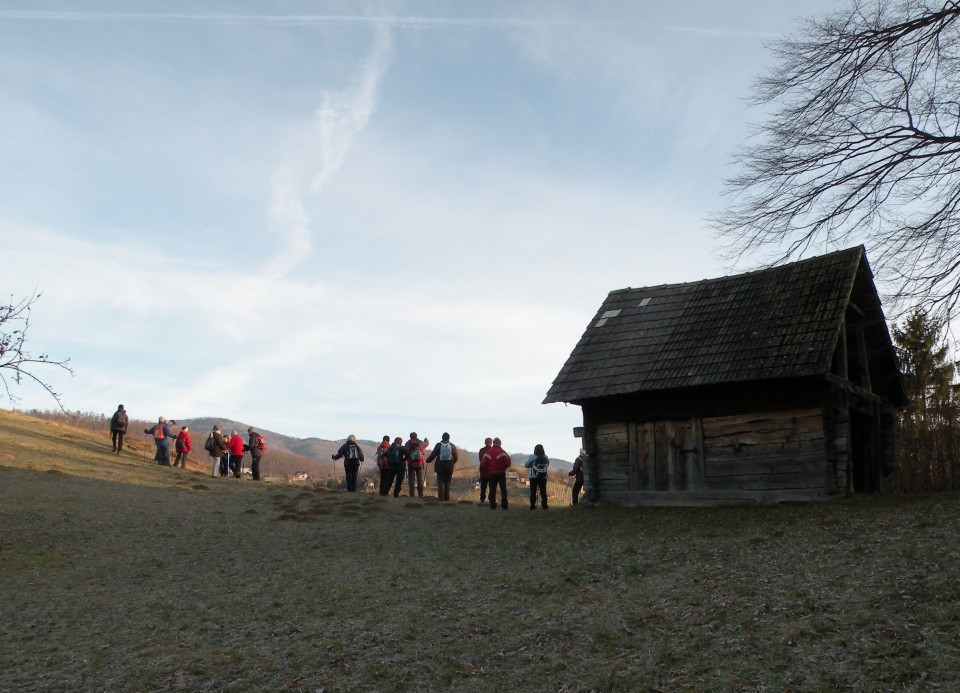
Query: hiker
[497,463]
[256,445]
[396,462]
[415,448]
[484,469]
[577,474]
[183,447]
[161,438]
[352,456]
[235,447]
[538,463]
[225,457]
[216,446]
[118,428]
[383,464]
[445,453]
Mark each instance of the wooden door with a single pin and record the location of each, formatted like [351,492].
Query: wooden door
[666,455]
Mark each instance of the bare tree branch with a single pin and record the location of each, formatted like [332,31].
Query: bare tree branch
[863,137]
[16,362]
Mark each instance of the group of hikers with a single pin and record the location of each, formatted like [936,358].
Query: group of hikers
[398,458]
[395,460]
[226,451]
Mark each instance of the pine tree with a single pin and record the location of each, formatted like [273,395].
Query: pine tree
[928,426]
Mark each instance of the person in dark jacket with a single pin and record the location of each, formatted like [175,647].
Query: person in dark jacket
[118,428]
[161,438]
[352,456]
[256,446]
[217,449]
[445,454]
[577,474]
[397,461]
[225,457]
[383,465]
[415,448]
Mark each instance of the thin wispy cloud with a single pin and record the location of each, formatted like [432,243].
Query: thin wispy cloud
[319,152]
[335,20]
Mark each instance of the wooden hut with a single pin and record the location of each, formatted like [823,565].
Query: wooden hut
[775,385]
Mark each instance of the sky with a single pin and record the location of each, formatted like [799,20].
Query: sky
[369,218]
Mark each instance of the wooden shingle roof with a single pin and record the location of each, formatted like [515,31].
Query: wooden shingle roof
[782,322]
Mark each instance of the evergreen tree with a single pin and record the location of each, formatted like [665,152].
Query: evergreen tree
[927,437]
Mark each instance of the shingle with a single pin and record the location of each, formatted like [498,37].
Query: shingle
[781,322]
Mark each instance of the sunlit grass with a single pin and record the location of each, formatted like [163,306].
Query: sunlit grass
[119,574]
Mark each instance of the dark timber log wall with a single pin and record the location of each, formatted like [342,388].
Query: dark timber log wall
[762,456]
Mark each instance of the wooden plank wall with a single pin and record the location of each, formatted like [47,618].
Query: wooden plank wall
[613,458]
[770,451]
[763,454]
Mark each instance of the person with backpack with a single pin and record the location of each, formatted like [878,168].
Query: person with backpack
[415,448]
[183,446]
[484,470]
[383,464]
[577,474]
[216,447]
[118,428]
[235,447]
[352,456]
[498,461]
[396,464]
[538,463]
[445,453]
[161,438]
[256,445]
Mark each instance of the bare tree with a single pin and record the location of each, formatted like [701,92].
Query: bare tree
[862,140]
[16,363]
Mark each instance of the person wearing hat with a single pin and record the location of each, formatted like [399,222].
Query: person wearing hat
[445,453]
[118,428]
[161,438]
[484,469]
[256,446]
[183,446]
[577,474]
[352,455]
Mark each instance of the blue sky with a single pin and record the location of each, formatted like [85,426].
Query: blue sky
[328,218]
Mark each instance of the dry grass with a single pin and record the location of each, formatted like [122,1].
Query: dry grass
[121,575]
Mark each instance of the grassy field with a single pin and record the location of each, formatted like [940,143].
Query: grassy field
[118,574]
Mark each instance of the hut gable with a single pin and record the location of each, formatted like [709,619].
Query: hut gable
[777,323]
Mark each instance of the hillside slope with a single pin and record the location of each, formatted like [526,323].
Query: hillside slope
[119,574]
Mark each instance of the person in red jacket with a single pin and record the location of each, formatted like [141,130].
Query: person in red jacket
[497,463]
[183,447]
[484,469]
[235,446]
